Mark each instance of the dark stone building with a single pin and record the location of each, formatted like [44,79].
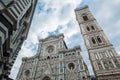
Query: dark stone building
[15,20]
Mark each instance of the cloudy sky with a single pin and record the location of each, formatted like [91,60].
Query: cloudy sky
[58,16]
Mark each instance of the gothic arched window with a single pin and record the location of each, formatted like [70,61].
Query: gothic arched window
[92,27]
[99,39]
[93,40]
[83,78]
[100,66]
[88,28]
[48,57]
[85,18]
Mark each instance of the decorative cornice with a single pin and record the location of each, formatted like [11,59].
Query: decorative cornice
[71,49]
[29,58]
[80,8]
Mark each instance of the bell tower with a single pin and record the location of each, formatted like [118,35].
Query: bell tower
[105,60]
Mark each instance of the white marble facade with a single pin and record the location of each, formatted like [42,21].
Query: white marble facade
[105,60]
[54,61]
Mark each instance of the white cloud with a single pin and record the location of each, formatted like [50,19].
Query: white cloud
[70,29]
[60,13]
[107,14]
[55,13]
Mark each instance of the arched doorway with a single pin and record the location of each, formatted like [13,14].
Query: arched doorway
[46,78]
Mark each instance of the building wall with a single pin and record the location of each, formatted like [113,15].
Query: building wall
[15,20]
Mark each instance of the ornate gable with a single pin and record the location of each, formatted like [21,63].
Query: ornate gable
[52,37]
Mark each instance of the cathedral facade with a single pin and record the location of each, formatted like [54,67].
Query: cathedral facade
[54,61]
[105,60]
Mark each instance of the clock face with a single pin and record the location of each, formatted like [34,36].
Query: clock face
[50,49]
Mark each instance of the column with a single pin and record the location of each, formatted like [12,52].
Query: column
[113,63]
[102,64]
